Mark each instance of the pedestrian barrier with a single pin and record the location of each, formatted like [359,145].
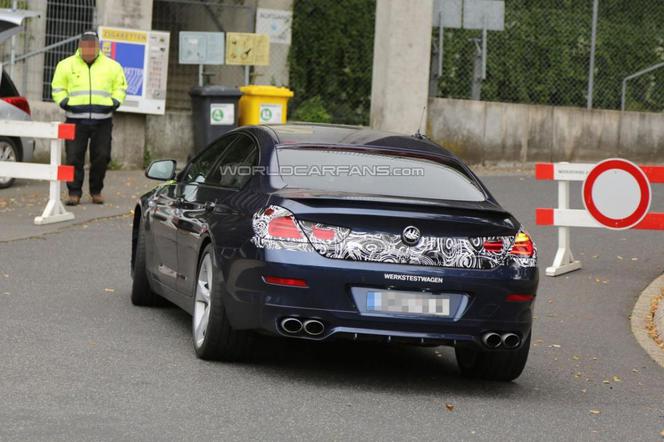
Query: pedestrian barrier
[53,172]
[616,195]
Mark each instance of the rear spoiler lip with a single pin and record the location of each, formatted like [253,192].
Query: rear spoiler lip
[303,194]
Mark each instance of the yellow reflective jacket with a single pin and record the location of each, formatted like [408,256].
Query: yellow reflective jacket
[89,91]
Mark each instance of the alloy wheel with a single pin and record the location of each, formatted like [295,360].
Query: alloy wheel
[202,301]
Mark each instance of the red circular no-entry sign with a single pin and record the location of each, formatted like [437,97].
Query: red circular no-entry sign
[617,193]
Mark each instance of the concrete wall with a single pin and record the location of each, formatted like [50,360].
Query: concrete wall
[135,14]
[169,136]
[44,111]
[400,76]
[481,131]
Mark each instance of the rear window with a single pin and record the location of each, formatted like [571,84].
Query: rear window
[379,174]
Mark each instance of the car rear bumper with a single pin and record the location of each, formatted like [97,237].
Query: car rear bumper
[254,304]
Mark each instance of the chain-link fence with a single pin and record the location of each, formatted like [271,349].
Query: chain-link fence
[62,22]
[330,60]
[58,21]
[543,55]
[203,16]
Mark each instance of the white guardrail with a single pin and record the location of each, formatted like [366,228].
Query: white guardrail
[53,172]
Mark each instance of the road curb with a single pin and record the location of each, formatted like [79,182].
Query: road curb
[647,320]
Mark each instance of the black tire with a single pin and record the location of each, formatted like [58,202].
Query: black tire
[141,293]
[221,341]
[493,365]
[11,144]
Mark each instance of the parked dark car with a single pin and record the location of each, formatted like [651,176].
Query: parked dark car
[325,232]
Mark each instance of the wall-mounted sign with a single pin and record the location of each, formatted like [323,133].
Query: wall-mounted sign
[144,58]
[247,49]
[276,23]
[469,14]
[201,48]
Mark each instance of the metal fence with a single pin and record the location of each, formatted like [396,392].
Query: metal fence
[203,16]
[64,19]
[543,55]
[330,60]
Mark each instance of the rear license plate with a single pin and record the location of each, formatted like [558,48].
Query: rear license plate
[391,301]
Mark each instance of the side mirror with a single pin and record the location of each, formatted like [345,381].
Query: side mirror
[162,170]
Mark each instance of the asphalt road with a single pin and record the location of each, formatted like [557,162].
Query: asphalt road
[79,362]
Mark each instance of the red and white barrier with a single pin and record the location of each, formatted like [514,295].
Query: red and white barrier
[616,195]
[53,172]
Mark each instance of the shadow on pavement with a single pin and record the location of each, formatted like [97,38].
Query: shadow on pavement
[395,368]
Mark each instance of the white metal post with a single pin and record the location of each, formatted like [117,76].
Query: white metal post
[564,261]
[54,211]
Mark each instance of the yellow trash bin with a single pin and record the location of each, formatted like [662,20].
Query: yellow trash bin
[263,104]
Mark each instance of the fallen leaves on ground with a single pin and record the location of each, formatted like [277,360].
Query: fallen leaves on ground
[651,328]
[450,407]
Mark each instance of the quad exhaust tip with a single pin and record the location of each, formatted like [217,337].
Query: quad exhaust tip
[511,340]
[314,327]
[507,340]
[311,327]
[291,325]
[492,340]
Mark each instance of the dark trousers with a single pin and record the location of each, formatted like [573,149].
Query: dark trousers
[98,133]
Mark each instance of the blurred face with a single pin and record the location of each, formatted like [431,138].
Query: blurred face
[89,50]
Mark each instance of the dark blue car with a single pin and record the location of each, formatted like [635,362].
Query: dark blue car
[324,232]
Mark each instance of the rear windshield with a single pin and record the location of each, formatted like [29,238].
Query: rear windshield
[334,170]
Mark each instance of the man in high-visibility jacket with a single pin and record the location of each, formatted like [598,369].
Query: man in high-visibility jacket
[89,86]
